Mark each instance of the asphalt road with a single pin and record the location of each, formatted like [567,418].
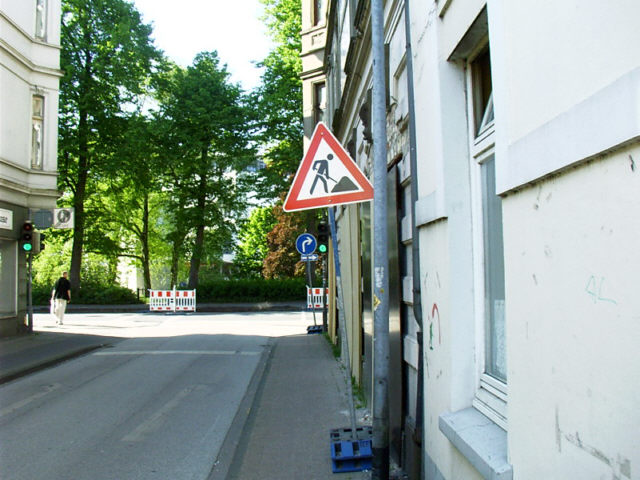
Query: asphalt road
[156,404]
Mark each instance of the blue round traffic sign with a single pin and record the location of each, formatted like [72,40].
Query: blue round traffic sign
[306,244]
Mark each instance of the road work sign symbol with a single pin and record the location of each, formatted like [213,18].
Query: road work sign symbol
[327,176]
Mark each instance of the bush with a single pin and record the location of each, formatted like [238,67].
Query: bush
[252,290]
[89,294]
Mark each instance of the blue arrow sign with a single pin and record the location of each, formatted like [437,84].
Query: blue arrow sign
[306,244]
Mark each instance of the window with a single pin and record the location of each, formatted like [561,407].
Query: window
[37,131]
[319,101]
[495,358]
[319,11]
[491,398]
[482,92]
[41,19]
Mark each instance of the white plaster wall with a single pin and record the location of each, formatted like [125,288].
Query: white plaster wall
[440,349]
[560,53]
[15,118]
[573,322]
[456,20]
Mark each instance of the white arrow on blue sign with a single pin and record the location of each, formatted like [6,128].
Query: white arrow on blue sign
[313,257]
[306,244]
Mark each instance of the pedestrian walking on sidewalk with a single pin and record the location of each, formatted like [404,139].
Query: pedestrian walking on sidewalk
[60,296]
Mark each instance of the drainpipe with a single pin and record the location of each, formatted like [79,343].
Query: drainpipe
[415,239]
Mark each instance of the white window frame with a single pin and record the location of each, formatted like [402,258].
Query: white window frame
[41,14]
[491,393]
[37,161]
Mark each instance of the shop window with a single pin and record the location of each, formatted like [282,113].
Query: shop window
[8,276]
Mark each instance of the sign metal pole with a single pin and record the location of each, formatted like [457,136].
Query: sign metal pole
[380,444]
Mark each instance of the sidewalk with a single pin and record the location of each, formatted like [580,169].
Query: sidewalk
[28,353]
[301,396]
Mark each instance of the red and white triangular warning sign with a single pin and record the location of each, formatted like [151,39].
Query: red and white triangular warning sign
[327,176]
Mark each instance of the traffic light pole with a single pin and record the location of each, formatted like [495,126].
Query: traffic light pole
[380,444]
[29,293]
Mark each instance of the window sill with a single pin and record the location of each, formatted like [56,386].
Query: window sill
[481,441]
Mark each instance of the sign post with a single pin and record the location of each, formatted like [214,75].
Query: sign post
[380,470]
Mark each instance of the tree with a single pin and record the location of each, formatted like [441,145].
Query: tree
[283,260]
[280,108]
[207,135]
[107,56]
[253,247]
[126,195]
[279,98]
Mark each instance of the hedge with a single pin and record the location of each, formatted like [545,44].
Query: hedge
[89,295]
[213,291]
[252,290]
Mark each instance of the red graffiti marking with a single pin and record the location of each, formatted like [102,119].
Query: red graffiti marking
[434,311]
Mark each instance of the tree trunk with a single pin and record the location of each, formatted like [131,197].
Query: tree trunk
[196,258]
[78,203]
[198,248]
[146,260]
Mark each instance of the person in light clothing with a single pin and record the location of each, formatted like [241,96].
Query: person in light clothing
[60,296]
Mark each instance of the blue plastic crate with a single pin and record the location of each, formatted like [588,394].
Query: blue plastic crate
[351,456]
[344,434]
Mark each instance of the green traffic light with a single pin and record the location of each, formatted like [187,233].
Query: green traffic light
[27,247]
[322,248]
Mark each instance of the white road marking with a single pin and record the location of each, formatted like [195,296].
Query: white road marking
[173,352]
[156,420]
[47,389]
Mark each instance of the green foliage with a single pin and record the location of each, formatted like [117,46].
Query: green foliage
[279,99]
[205,124]
[99,274]
[252,246]
[107,57]
[252,290]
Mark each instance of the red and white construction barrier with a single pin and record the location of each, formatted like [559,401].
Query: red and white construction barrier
[172,300]
[315,298]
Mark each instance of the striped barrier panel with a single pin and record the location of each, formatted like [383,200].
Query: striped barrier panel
[172,300]
[315,298]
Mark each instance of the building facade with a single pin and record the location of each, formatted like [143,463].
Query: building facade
[29,79]
[518,359]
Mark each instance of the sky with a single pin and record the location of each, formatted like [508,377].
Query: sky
[182,28]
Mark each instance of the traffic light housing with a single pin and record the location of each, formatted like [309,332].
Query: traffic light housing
[323,237]
[26,237]
[31,240]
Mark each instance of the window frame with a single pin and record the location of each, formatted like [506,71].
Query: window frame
[41,19]
[491,393]
[37,163]
[319,113]
[319,12]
